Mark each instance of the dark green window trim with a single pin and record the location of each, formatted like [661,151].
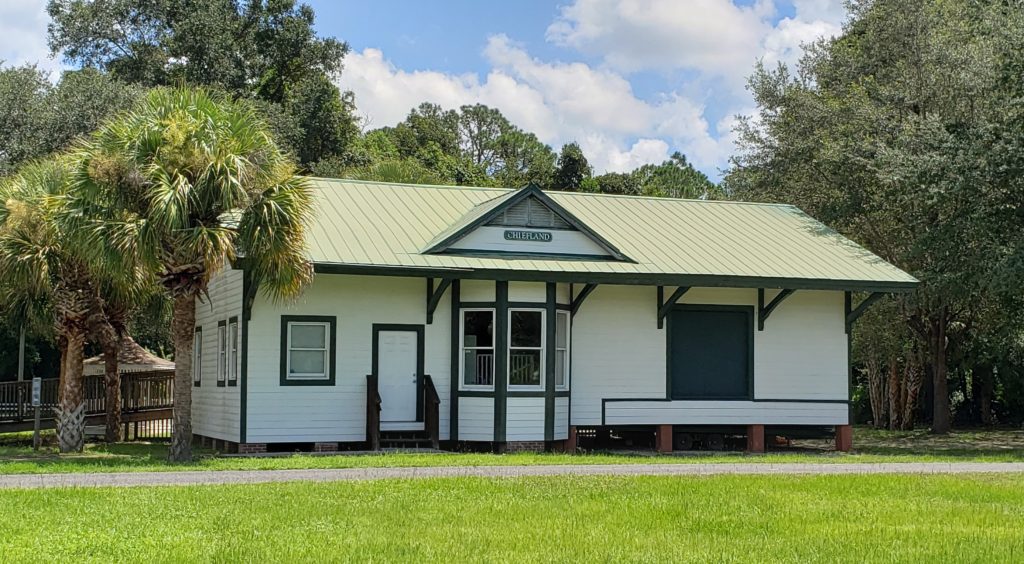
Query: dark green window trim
[551,322]
[500,360]
[332,346]
[233,368]
[455,359]
[222,378]
[749,310]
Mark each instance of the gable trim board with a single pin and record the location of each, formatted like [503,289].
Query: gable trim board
[449,241]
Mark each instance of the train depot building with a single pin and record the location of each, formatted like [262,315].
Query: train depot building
[521,319]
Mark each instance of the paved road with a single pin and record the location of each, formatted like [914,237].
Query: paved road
[333,475]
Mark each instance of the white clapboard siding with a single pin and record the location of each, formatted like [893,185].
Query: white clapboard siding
[527,292]
[618,352]
[476,419]
[561,419]
[215,410]
[278,413]
[476,290]
[524,419]
[724,413]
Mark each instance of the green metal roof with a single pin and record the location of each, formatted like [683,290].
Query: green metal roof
[375,227]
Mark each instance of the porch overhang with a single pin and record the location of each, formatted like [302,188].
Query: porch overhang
[621,278]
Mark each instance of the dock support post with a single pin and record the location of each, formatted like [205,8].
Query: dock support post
[844,438]
[570,443]
[663,438]
[755,439]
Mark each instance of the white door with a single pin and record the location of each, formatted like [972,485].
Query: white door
[396,367]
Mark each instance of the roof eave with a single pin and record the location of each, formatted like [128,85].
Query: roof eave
[622,278]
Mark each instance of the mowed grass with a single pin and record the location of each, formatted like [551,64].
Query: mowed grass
[17,456]
[968,518]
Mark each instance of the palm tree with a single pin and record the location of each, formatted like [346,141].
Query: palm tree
[41,272]
[185,183]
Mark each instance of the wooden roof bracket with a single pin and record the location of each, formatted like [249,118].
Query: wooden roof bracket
[577,301]
[665,306]
[434,296]
[854,313]
[765,311]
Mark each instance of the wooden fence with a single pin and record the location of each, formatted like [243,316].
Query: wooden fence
[140,392]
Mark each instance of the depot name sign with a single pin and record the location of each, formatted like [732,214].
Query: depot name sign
[520,235]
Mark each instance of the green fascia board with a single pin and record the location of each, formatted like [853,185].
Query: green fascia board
[495,206]
[623,278]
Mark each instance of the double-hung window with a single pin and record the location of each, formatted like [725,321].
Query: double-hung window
[233,351]
[222,353]
[526,348]
[477,342]
[308,344]
[197,356]
[562,325]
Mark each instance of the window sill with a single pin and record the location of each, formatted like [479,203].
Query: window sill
[297,382]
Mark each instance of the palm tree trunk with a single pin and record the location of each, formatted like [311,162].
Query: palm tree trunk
[71,414]
[182,332]
[112,380]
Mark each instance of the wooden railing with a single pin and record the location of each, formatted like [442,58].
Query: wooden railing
[373,403]
[431,411]
[140,391]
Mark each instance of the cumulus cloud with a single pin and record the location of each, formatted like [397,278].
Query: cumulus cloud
[717,41]
[560,102]
[717,38]
[712,36]
[23,35]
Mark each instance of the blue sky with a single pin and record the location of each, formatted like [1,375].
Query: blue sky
[630,80]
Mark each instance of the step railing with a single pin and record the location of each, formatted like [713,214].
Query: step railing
[373,403]
[431,412]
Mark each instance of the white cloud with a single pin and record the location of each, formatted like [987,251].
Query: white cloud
[712,36]
[23,35]
[560,102]
[717,38]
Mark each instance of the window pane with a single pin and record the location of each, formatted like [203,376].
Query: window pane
[477,367]
[524,368]
[309,336]
[478,329]
[526,329]
[560,372]
[308,362]
[561,330]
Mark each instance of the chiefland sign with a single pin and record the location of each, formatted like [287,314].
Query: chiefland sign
[519,235]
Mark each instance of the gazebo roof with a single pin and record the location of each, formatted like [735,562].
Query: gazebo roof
[131,358]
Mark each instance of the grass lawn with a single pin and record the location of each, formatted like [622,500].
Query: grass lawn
[720,519]
[16,455]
